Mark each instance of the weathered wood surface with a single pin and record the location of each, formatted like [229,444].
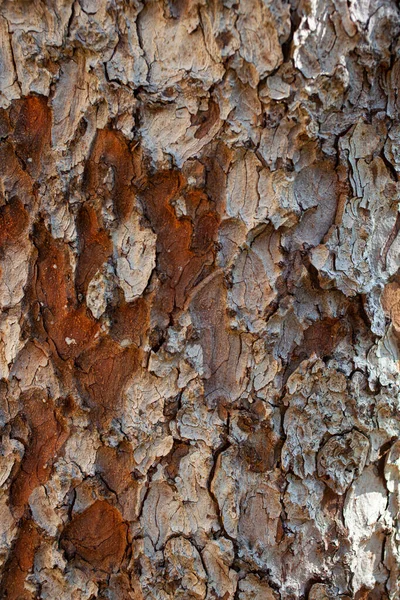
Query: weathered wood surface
[200,299]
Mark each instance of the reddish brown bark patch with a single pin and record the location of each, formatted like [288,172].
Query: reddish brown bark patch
[95,247]
[378,593]
[47,434]
[32,131]
[115,466]
[262,448]
[15,180]
[20,563]
[185,245]
[124,587]
[206,119]
[205,222]
[320,338]
[14,221]
[173,459]
[323,336]
[110,150]
[5,125]
[103,372]
[96,538]
[217,164]
[332,503]
[178,8]
[130,321]
[173,236]
[71,328]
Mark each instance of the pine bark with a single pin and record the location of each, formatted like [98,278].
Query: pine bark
[200,299]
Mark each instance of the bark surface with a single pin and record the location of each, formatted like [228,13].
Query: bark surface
[200,299]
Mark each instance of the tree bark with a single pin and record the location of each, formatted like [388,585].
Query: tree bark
[200,299]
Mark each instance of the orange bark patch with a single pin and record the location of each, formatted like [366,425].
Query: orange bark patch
[20,563]
[96,538]
[47,435]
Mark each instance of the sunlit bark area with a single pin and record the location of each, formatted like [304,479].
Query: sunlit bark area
[200,299]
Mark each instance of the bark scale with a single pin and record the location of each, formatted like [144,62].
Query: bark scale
[199,336]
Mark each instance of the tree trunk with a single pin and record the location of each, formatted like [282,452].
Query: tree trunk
[199,337]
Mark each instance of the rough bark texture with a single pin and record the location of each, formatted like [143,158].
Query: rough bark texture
[200,326]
